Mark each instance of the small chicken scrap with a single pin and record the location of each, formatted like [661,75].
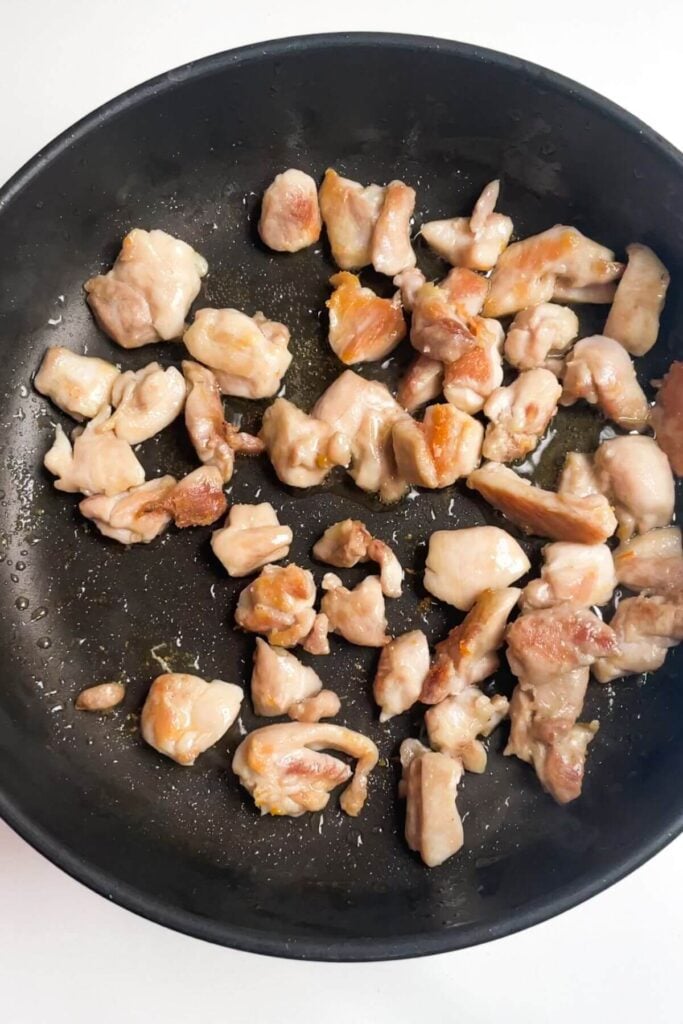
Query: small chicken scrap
[540,336]
[454,725]
[635,475]
[282,685]
[578,574]
[520,414]
[302,448]
[147,294]
[421,382]
[283,768]
[290,215]
[363,326]
[97,463]
[475,242]
[135,516]
[279,603]
[430,786]
[359,614]
[403,665]
[349,542]
[184,715]
[79,385]
[101,697]
[652,562]
[463,564]
[443,448]
[645,628]
[197,499]
[667,416]
[601,371]
[146,401]
[251,538]
[634,315]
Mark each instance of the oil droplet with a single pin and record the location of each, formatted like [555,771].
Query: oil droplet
[23,391]
[14,578]
[22,604]
[39,613]
[20,566]
[43,642]
[23,554]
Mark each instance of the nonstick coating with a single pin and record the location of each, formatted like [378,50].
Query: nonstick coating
[190,153]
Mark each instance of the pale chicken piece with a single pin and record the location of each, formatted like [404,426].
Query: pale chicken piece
[146,401]
[422,382]
[350,213]
[409,281]
[79,385]
[363,326]
[475,242]
[136,516]
[248,354]
[403,665]
[652,562]
[359,614]
[526,272]
[184,715]
[578,479]
[475,375]
[441,449]
[391,249]
[349,542]
[97,463]
[601,371]
[430,785]
[636,476]
[290,215]
[667,416]
[279,603]
[147,294]
[302,448]
[520,414]
[578,574]
[462,564]
[645,627]
[251,538]
[279,680]
[317,641]
[454,724]
[540,334]
[469,655]
[197,499]
[583,520]
[634,317]
[284,770]
[325,704]
[101,697]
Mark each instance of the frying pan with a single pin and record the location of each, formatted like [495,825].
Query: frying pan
[190,152]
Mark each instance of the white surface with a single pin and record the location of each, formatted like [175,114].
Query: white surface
[67,955]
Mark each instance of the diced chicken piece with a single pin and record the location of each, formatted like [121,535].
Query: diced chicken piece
[441,449]
[421,382]
[358,615]
[667,416]
[248,354]
[440,326]
[583,520]
[430,785]
[634,317]
[391,573]
[600,370]
[136,516]
[539,334]
[251,538]
[146,401]
[519,415]
[403,665]
[279,680]
[598,294]
[317,641]
[578,574]
[184,715]
[462,564]
[325,704]
[470,380]
[391,248]
[147,294]
[475,241]
[290,215]
[197,499]
[526,273]
[101,697]
[645,627]
[79,385]
[350,213]
[652,562]
[466,290]
[98,463]
[409,281]
[279,603]
[302,448]
[578,479]
[454,725]
[363,326]
[349,542]
[283,769]
[635,475]
[468,655]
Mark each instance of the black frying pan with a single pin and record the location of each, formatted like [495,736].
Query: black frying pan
[190,152]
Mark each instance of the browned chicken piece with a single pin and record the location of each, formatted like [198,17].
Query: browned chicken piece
[430,785]
[79,385]
[540,335]
[470,380]
[325,704]
[409,281]
[578,479]
[279,603]
[97,463]
[391,249]
[359,614]
[463,564]
[184,715]
[279,681]
[248,354]
[350,213]
[197,499]
[440,450]
[421,383]
[147,294]
[349,542]
[526,273]
[146,401]
[475,241]
[284,770]
[469,653]
[251,538]
[454,725]
[466,290]
[440,325]
[290,215]
[520,414]
[635,475]
[136,516]
[101,697]
[634,317]
[583,520]
[667,416]
[317,641]
[302,448]
[403,665]
[600,370]
[579,574]
[645,628]
[598,294]
[652,562]
[363,326]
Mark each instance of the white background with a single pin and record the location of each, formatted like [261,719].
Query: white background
[67,955]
